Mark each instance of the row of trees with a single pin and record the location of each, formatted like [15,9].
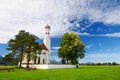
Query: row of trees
[105,63]
[24,44]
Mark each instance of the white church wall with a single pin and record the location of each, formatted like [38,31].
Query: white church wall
[24,59]
[50,66]
[60,66]
[43,56]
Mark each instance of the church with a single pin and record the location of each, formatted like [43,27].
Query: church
[44,57]
[42,60]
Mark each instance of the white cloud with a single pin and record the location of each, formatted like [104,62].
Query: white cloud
[88,46]
[112,35]
[55,47]
[83,34]
[99,29]
[33,15]
[54,51]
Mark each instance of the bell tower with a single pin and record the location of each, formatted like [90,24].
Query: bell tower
[47,41]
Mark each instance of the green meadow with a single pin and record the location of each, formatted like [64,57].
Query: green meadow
[81,73]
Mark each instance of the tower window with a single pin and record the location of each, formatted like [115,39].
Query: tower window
[47,33]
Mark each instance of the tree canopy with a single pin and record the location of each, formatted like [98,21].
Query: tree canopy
[71,48]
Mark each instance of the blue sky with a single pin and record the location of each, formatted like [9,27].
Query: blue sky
[97,22]
[98,47]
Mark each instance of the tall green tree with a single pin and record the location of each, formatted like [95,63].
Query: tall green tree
[71,48]
[22,42]
[17,45]
[32,48]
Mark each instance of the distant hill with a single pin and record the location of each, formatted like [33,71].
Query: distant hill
[55,62]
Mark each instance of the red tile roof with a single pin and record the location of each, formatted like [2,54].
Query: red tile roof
[43,47]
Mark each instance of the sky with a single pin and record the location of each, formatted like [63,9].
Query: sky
[97,22]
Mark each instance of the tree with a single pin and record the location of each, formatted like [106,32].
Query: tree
[114,63]
[8,58]
[71,48]
[22,42]
[32,48]
[1,59]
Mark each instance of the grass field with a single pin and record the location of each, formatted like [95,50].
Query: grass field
[82,73]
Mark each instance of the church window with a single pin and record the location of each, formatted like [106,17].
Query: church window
[39,60]
[43,61]
[35,60]
[44,53]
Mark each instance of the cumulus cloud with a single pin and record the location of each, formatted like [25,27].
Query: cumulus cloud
[33,15]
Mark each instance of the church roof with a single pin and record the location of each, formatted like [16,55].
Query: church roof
[43,47]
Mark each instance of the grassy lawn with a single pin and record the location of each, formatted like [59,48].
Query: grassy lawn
[82,73]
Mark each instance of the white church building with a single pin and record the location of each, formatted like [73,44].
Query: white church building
[44,56]
[42,60]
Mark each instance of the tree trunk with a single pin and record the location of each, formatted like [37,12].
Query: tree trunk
[28,60]
[21,59]
[20,63]
[67,61]
[27,63]
[63,60]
